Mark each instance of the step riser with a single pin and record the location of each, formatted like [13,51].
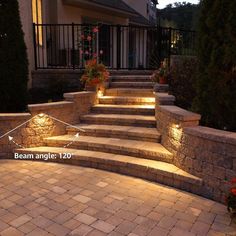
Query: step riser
[129,169]
[130,92]
[118,101]
[117,134]
[109,148]
[130,80]
[117,92]
[128,111]
[102,121]
[131,85]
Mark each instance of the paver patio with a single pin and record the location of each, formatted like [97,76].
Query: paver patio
[39,198]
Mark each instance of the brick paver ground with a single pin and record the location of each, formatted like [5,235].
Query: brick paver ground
[53,199]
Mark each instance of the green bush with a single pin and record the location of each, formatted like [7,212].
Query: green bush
[13,59]
[183,74]
[216,82]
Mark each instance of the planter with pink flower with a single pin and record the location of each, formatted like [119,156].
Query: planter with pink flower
[231,198]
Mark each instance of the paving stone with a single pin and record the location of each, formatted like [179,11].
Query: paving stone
[82,230]
[103,226]
[20,220]
[11,232]
[86,219]
[81,198]
[180,232]
[200,228]
[125,227]
[158,231]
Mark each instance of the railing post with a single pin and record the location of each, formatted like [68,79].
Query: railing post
[35,49]
[169,49]
[118,38]
[73,45]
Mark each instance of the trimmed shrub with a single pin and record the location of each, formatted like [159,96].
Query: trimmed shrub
[13,59]
[183,74]
[216,82]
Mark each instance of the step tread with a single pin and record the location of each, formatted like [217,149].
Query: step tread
[146,132]
[121,106]
[120,117]
[115,142]
[149,99]
[160,167]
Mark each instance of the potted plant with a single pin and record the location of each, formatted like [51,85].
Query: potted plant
[161,75]
[231,198]
[95,74]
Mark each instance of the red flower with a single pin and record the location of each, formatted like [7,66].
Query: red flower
[89,38]
[95,29]
[233,191]
[233,181]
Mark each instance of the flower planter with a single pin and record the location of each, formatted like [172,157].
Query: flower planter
[163,80]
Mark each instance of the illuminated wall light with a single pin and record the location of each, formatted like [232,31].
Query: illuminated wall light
[99,93]
[41,115]
[177,126]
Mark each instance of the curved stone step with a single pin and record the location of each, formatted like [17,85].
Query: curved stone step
[156,171]
[131,85]
[114,119]
[121,100]
[124,109]
[115,131]
[130,92]
[142,149]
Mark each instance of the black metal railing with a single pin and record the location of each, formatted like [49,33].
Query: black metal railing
[69,46]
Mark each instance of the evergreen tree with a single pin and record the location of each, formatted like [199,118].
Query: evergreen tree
[216,83]
[13,59]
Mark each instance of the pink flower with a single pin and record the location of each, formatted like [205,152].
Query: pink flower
[101,52]
[95,29]
[95,55]
[82,36]
[81,51]
[89,38]
[86,52]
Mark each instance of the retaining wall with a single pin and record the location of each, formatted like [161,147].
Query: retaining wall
[42,120]
[204,152]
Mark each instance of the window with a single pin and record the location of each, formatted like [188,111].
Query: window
[37,19]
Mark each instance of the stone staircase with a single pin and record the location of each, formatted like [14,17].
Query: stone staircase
[120,135]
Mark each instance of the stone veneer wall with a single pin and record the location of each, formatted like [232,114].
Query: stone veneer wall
[40,126]
[204,152]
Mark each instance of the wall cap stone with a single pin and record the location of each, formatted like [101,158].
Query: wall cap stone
[46,106]
[165,97]
[77,94]
[212,134]
[179,113]
[14,116]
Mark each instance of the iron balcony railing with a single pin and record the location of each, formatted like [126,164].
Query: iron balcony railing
[69,46]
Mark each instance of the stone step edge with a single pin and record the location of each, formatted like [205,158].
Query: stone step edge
[99,145]
[123,165]
[114,130]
